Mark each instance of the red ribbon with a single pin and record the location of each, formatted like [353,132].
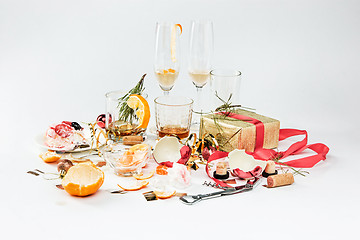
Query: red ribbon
[185,153]
[261,153]
[258,124]
[296,148]
[216,155]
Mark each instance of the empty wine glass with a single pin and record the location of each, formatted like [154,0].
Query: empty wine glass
[167,54]
[200,57]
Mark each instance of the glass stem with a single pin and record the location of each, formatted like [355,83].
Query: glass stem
[166,93]
[198,105]
[199,99]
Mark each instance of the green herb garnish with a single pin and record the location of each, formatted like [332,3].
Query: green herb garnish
[126,113]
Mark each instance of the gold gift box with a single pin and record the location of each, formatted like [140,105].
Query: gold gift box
[231,133]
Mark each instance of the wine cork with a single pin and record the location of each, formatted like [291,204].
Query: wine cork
[132,140]
[221,171]
[221,168]
[280,180]
[270,167]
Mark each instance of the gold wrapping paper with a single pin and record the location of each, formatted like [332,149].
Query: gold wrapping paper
[232,133]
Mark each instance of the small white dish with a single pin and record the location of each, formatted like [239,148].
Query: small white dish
[40,141]
[167,149]
[243,161]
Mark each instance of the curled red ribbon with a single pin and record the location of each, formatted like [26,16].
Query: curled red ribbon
[261,153]
[185,153]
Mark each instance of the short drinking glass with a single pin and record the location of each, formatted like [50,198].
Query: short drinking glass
[173,115]
[225,85]
[118,125]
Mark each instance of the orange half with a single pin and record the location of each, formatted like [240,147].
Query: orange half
[83,179]
[141,106]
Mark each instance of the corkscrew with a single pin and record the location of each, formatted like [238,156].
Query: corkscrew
[191,199]
[214,185]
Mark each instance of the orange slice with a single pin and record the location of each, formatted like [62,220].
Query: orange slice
[49,156]
[126,160]
[164,195]
[83,179]
[139,147]
[161,170]
[141,106]
[141,176]
[137,186]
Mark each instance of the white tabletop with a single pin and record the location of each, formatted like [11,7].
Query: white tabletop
[299,61]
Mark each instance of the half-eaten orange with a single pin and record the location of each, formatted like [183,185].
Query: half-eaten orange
[83,179]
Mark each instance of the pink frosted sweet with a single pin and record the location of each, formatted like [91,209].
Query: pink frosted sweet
[179,175]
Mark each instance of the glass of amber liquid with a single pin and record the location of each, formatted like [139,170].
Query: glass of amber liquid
[173,115]
[116,124]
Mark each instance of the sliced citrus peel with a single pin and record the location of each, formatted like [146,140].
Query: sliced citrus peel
[134,156]
[164,195]
[49,156]
[141,106]
[96,136]
[161,170]
[141,176]
[173,41]
[137,186]
[179,25]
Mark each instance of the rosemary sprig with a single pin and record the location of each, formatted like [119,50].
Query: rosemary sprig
[276,159]
[227,105]
[125,112]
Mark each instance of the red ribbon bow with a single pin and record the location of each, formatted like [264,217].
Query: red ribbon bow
[185,153]
[261,153]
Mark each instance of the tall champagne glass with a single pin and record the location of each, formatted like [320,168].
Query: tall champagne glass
[167,54]
[200,58]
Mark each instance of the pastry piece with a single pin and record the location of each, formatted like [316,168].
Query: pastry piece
[65,136]
[280,180]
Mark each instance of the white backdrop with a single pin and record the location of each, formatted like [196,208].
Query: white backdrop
[299,60]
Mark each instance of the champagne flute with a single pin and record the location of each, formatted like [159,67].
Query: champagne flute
[200,58]
[167,54]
